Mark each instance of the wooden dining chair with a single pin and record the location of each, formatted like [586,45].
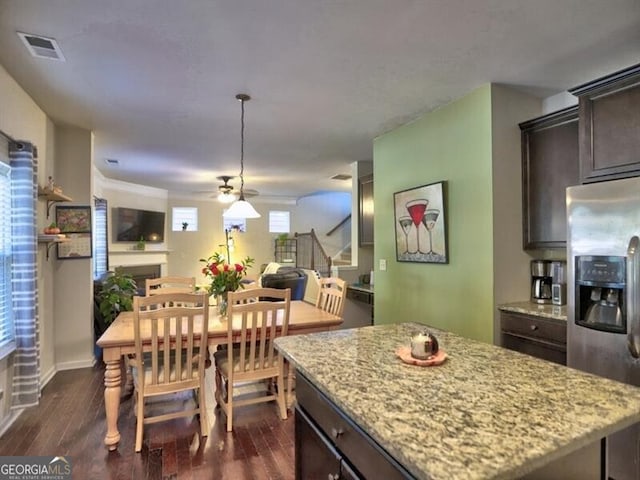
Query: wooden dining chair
[157,286]
[331,294]
[168,331]
[250,355]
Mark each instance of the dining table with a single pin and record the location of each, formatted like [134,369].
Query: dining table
[118,342]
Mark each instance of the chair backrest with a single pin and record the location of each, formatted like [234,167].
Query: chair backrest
[259,323]
[331,293]
[157,286]
[175,336]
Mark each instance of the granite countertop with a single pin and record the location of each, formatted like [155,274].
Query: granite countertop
[363,287]
[486,413]
[559,312]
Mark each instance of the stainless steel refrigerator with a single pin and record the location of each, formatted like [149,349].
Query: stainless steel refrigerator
[603,311]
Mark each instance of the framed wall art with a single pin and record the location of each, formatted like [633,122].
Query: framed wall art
[75,223]
[420,226]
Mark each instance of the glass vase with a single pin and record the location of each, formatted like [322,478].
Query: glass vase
[221,303]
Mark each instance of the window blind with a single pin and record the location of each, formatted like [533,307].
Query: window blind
[7,332]
[101,253]
[278,221]
[188,215]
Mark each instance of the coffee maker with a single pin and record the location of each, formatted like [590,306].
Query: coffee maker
[541,281]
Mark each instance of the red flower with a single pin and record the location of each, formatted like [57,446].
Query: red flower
[239,268]
[204,271]
[226,267]
[214,269]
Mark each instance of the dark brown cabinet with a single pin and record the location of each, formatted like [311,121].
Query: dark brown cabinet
[328,443]
[321,460]
[365,197]
[541,337]
[609,111]
[549,165]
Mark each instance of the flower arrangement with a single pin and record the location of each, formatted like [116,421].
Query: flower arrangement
[223,276]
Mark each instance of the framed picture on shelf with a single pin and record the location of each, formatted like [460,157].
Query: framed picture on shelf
[75,223]
[420,224]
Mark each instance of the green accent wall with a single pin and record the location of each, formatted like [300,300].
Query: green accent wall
[452,144]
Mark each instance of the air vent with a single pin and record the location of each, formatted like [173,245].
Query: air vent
[112,162]
[341,176]
[42,47]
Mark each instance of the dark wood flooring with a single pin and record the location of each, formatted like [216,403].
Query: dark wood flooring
[70,422]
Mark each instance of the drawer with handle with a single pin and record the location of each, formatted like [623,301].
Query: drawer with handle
[547,329]
[369,459]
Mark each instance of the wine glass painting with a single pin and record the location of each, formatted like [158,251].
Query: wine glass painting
[420,224]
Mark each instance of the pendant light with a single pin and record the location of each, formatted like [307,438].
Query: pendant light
[241,208]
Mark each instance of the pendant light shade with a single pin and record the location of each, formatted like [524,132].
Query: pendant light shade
[241,208]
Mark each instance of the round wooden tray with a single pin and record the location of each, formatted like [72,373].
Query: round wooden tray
[404,354]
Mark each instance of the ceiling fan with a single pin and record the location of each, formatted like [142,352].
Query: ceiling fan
[226,192]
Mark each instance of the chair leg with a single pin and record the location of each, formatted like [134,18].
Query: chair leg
[229,404]
[202,410]
[282,403]
[139,421]
[218,392]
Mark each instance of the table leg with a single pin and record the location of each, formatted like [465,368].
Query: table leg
[112,380]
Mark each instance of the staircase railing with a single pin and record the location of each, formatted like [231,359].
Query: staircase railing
[342,222]
[311,255]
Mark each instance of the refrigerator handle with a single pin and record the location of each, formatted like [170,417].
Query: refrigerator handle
[633,296]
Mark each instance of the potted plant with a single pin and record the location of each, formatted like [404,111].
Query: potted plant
[282,238]
[115,296]
[140,245]
[224,277]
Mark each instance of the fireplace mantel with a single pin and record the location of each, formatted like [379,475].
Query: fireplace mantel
[129,252]
[133,258]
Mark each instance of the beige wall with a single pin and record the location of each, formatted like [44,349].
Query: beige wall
[73,301]
[511,271]
[321,212]
[182,251]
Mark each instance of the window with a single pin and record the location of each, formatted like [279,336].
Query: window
[184,219]
[237,224]
[101,254]
[278,222]
[7,343]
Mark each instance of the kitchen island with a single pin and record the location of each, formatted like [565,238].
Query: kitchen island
[486,413]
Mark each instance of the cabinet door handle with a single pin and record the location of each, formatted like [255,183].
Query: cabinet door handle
[534,328]
[336,432]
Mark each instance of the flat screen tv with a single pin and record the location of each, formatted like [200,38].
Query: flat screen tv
[133,224]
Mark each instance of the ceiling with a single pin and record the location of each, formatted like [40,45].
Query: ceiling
[156,80]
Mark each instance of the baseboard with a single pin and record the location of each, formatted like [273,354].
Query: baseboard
[8,420]
[76,364]
[46,378]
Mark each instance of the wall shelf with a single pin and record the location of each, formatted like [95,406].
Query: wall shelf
[50,241]
[52,197]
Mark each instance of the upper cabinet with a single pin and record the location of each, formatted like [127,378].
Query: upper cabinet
[549,166]
[365,197]
[610,126]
